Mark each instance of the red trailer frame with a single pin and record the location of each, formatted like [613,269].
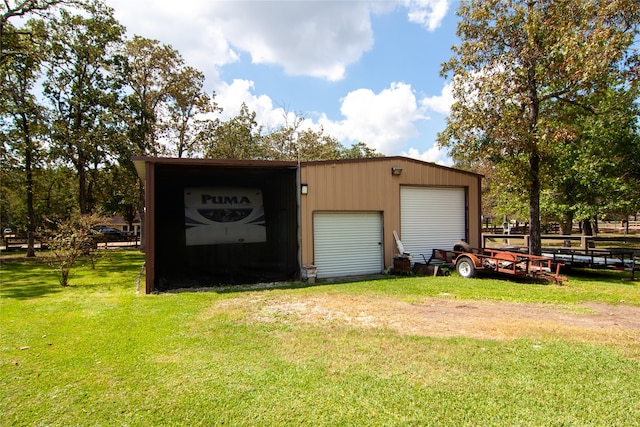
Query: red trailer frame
[469,262]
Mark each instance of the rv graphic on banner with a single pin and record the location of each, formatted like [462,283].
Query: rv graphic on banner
[217,215]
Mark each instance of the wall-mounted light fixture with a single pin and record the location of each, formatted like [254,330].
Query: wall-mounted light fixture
[304,189]
[396,171]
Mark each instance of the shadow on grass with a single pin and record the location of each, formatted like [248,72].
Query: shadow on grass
[607,276]
[583,274]
[28,290]
[26,278]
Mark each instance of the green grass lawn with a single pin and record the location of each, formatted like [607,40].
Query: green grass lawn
[99,354]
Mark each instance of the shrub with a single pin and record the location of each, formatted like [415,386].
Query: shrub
[71,239]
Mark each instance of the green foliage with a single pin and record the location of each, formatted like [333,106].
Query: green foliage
[292,142]
[151,71]
[316,145]
[54,197]
[238,138]
[359,150]
[186,102]
[118,191]
[596,166]
[26,9]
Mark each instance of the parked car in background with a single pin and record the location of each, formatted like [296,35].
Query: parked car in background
[110,231]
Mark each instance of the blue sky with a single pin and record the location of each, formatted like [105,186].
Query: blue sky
[363,70]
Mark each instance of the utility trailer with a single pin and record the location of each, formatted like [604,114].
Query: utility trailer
[469,261]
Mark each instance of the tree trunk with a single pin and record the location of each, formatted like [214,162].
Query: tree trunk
[82,194]
[626,225]
[535,234]
[31,226]
[566,227]
[533,110]
[28,166]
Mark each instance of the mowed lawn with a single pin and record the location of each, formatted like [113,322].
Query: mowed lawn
[99,354]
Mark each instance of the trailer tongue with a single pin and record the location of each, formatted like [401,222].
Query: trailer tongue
[468,261]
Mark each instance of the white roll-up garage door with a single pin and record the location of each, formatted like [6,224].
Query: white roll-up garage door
[431,218]
[347,243]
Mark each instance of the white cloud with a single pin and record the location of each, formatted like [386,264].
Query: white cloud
[306,38]
[433,154]
[428,13]
[231,96]
[440,103]
[383,121]
[187,29]
[312,38]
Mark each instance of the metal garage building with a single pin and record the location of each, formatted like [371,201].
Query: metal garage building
[337,215]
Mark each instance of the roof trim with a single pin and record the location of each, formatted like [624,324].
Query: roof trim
[403,158]
[220,162]
[140,161]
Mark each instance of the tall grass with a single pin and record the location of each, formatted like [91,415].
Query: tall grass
[97,353]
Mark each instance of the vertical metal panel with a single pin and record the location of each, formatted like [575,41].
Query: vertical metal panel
[347,243]
[368,185]
[431,218]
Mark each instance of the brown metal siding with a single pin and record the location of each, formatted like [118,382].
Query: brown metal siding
[368,185]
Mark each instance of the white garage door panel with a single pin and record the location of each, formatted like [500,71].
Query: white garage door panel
[347,244]
[431,218]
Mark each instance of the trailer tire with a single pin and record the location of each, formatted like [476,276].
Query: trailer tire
[465,267]
[462,247]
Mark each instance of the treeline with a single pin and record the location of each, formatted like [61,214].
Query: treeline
[79,100]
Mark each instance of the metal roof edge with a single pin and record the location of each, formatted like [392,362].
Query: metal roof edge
[141,161]
[386,158]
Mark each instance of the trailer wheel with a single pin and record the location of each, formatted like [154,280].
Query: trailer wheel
[465,267]
[462,247]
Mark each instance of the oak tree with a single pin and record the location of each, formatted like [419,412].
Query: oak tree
[519,63]
[83,90]
[23,119]
[23,9]
[187,105]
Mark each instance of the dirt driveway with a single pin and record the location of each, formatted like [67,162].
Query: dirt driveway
[445,317]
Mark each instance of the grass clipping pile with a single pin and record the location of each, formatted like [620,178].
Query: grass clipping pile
[441,317]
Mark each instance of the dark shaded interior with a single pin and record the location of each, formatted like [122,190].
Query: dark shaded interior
[178,265]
